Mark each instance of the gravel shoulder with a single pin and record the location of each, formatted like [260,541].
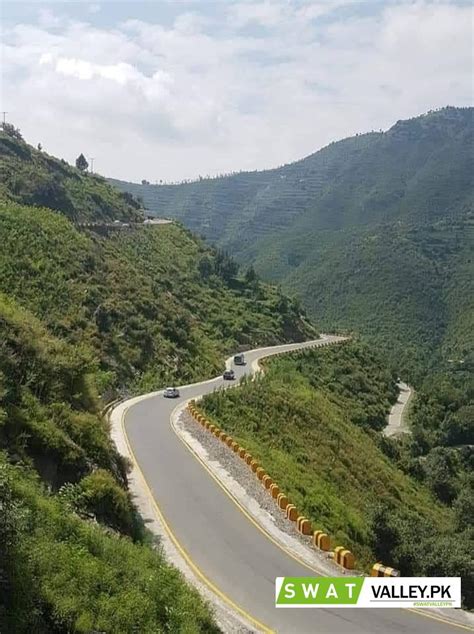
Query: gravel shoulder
[236,476]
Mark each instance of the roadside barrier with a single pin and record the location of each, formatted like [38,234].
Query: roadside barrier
[303,525]
[379,570]
[282,501]
[291,512]
[344,558]
[321,540]
[274,490]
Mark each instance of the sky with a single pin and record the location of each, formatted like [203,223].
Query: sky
[170,90]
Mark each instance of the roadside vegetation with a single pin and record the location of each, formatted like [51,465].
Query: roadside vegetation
[313,421]
[86,316]
[62,573]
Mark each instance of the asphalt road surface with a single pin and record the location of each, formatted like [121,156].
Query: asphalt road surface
[232,553]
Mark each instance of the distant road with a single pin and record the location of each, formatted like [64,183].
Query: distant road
[118,224]
[395,420]
[235,557]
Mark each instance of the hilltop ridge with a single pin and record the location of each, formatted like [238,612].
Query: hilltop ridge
[31,176]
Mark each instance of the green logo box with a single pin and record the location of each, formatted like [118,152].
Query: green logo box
[311,591]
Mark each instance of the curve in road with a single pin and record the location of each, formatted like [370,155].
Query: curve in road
[395,419]
[236,559]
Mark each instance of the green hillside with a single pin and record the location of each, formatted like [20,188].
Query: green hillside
[87,314]
[408,288]
[33,177]
[312,422]
[137,298]
[373,232]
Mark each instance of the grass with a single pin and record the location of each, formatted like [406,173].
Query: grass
[310,422]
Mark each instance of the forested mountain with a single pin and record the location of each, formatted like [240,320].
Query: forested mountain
[373,232]
[86,314]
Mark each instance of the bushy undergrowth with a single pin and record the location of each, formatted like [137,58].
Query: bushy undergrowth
[60,573]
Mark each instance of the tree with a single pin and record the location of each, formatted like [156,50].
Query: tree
[225,266]
[464,504]
[441,469]
[206,266]
[81,163]
[250,275]
[10,129]
[40,147]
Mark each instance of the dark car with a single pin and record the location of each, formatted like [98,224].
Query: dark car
[229,375]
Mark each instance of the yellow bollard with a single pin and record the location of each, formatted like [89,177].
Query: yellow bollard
[337,554]
[274,491]
[291,512]
[347,560]
[303,525]
[379,570]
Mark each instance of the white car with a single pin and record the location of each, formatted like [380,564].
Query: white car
[171,392]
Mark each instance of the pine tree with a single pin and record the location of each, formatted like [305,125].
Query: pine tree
[81,163]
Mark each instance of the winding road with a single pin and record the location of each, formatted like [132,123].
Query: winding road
[395,420]
[234,557]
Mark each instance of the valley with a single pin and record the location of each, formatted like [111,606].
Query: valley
[97,305]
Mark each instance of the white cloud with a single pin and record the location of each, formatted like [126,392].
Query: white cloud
[265,13]
[206,94]
[122,73]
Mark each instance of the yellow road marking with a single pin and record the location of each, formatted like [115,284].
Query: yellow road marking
[197,571]
[278,544]
[237,503]
[439,618]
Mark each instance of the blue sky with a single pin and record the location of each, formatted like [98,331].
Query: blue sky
[170,90]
